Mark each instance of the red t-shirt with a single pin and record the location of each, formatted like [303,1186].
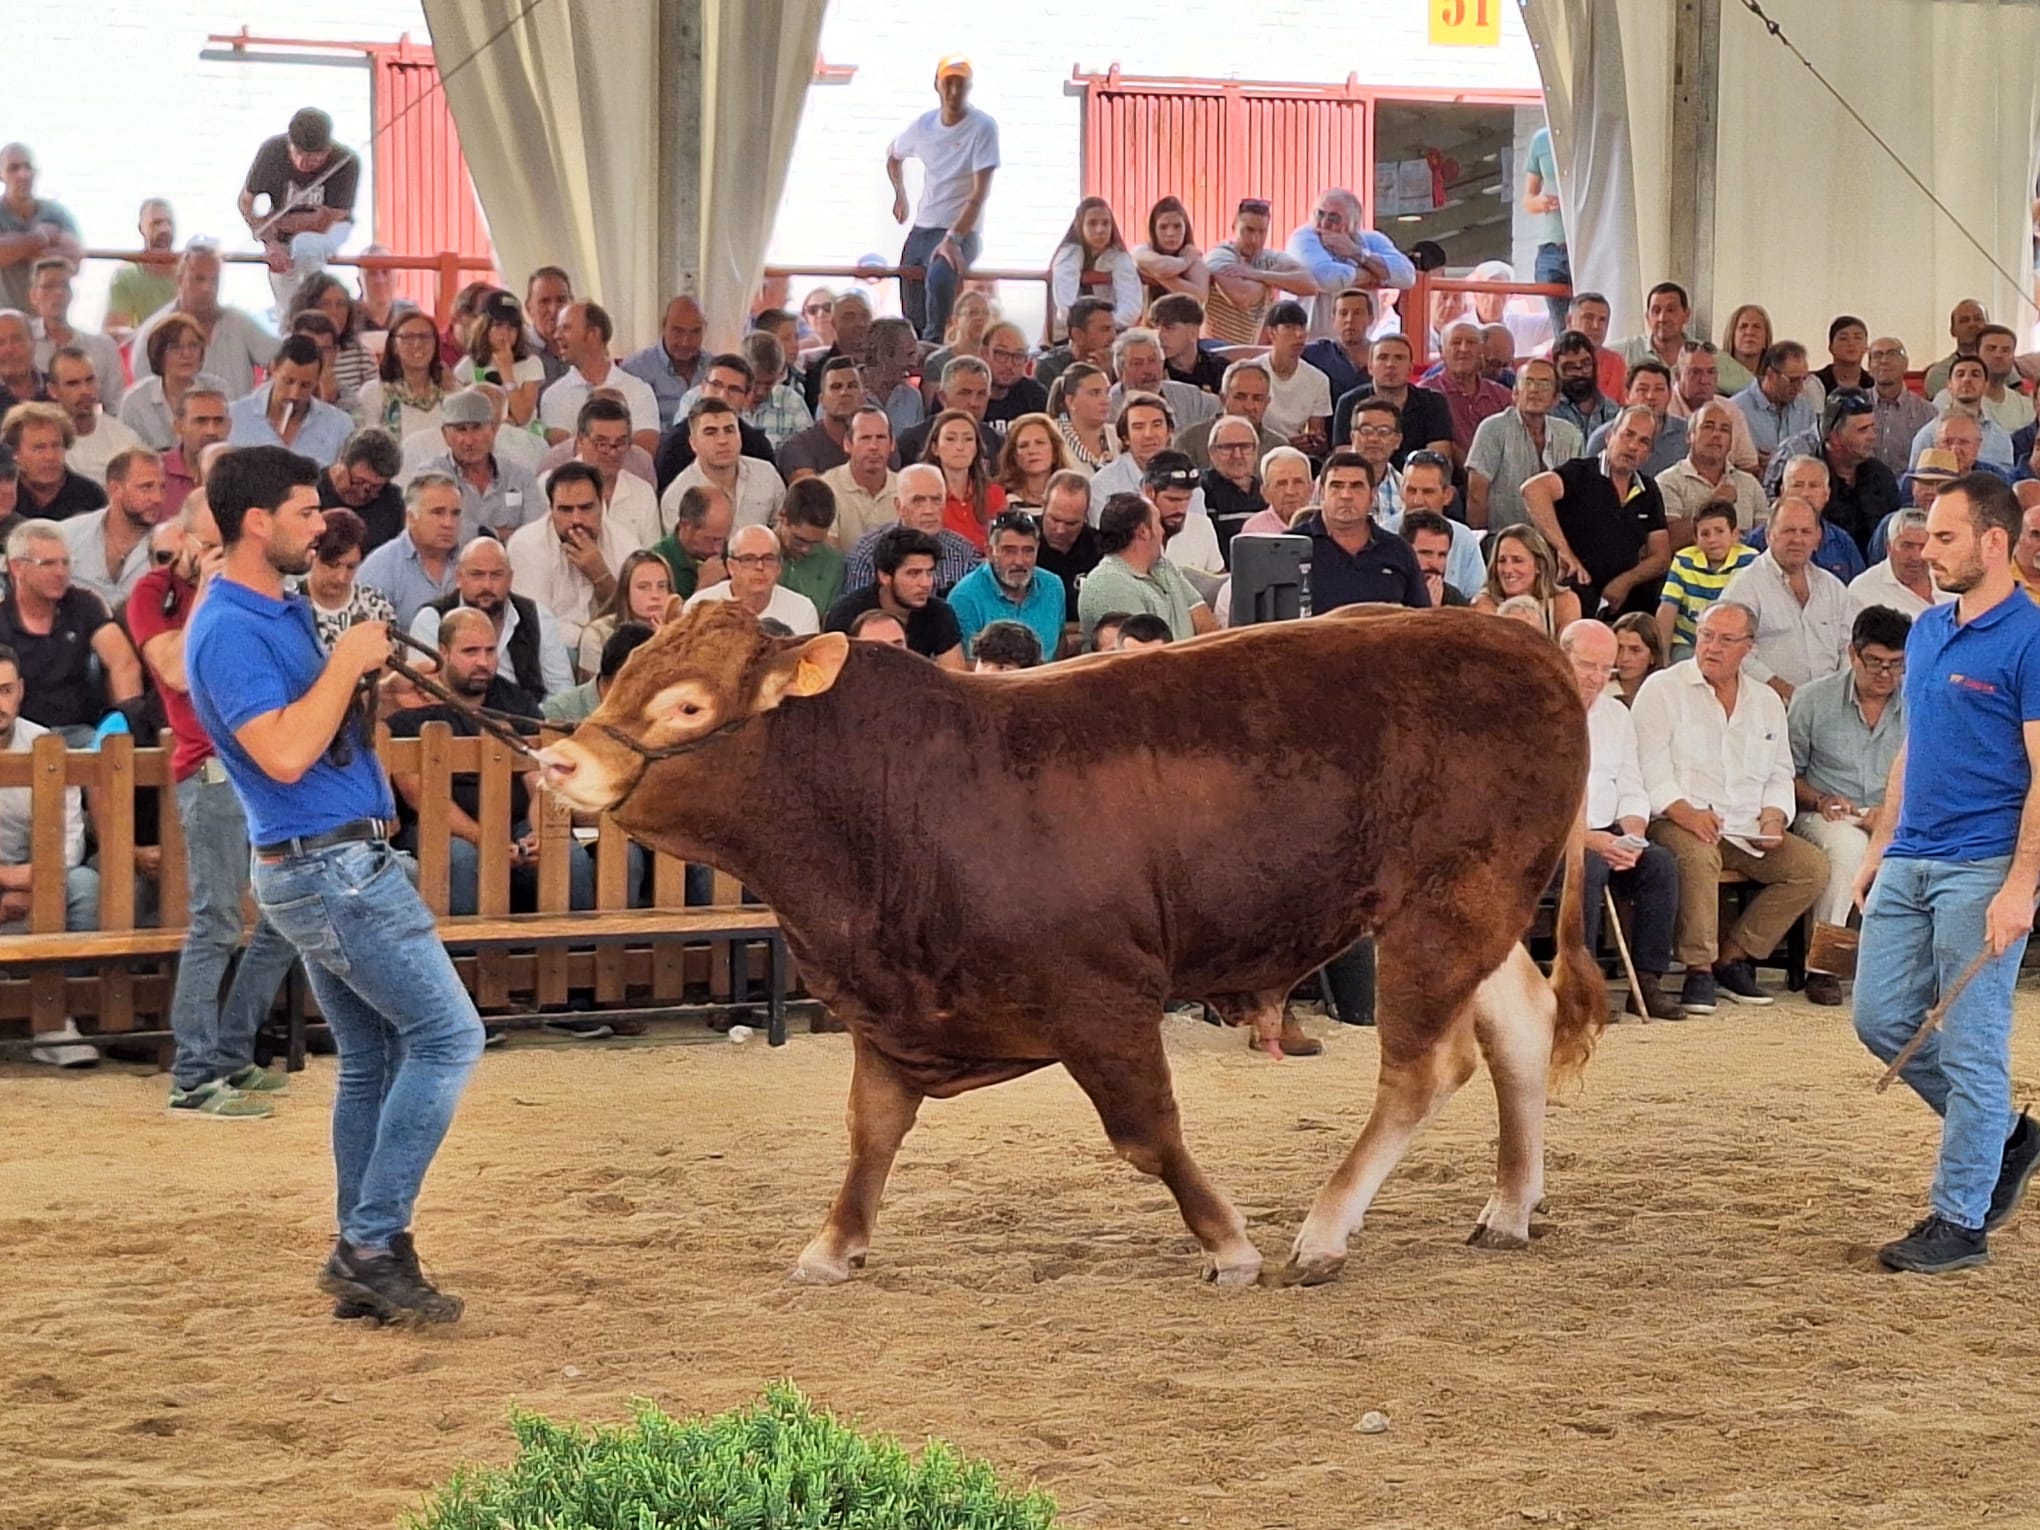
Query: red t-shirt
[959,517]
[146,619]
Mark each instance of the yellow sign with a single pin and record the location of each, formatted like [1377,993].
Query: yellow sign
[1466,23]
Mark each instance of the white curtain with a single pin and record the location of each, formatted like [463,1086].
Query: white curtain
[578,126]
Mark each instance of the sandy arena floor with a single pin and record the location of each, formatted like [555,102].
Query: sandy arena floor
[1698,1341]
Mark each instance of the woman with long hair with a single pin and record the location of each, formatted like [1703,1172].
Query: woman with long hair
[1744,339]
[413,382]
[1170,260]
[467,308]
[643,586]
[970,499]
[176,352]
[1639,654]
[1080,400]
[499,352]
[337,601]
[1522,563]
[353,366]
[1092,247]
[1034,452]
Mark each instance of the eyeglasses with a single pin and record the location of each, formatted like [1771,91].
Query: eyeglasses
[1848,402]
[47,562]
[1883,666]
[1377,432]
[1233,446]
[1888,353]
[751,560]
[814,309]
[1011,356]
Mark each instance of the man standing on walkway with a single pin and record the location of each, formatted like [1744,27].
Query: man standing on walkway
[958,147]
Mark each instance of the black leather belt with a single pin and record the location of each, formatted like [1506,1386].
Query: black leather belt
[347,834]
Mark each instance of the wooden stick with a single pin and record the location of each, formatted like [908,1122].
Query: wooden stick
[1622,945]
[1934,1018]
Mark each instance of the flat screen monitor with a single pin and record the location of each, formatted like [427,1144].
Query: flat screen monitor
[1270,579]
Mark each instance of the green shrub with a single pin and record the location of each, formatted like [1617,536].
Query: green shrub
[782,1464]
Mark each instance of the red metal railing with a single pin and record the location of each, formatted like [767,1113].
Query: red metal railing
[454,270]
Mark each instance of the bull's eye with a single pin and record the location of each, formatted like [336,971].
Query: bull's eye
[689,709]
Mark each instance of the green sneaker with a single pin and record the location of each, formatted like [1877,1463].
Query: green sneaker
[218,1099]
[254,1079]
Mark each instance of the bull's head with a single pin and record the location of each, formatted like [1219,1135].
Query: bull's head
[705,674]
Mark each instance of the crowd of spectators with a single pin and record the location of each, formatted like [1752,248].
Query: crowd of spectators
[1720,536]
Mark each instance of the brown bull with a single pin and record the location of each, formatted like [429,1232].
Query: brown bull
[983,875]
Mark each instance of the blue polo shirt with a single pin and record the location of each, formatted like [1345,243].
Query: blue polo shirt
[1385,570]
[1969,691]
[978,601]
[245,655]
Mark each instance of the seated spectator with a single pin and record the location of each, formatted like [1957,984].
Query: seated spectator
[965,388]
[1289,484]
[1605,520]
[285,410]
[110,548]
[1340,250]
[573,707]
[921,496]
[1666,311]
[583,337]
[1522,566]
[602,442]
[693,550]
[1354,560]
[1138,365]
[1801,611]
[1900,412]
[1965,323]
[1034,453]
[850,316]
[1243,395]
[96,436]
[1430,537]
[1014,394]
[1230,490]
[1425,419]
[1299,395]
[317,328]
[1080,403]
[497,494]
[1588,315]
[1964,400]
[753,487]
[866,490]
[1581,402]
[1706,476]
[1469,397]
[971,500]
[70,654]
[668,367]
[1846,729]
[1902,582]
[964,335]
[776,409]
[1956,438]
[1247,277]
[1696,383]
[1524,609]
[405,395]
[1010,587]
[1514,446]
[1092,247]
[2026,550]
[825,445]
[501,351]
[1343,355]
[567,562]
[176,353]
[1170,261]
[1639,654]
[38,435]
[730,378]
[1618,813]
[903,587]
[333,586]
[1005,646]
[201,424]
[362,479]
[2002,399]
[235,344]
[514,443]
[62,1047]
[1806,478]
[10,486]
[1069,546]
[1105,635]
[754,561]
[468,668]
[1774,403]
[377,303]
[644,587]
[1141,630]
[1189,539]
[1650,386]
[1848,341]
[882,627]
[1145,426]
[1178,320]
[804,523]
[1745,336]
[1700,574]
[415,569]
[891,356]
[1861,490]
[1717,765]
[1133,575]
[529,651]
[1427,485]
[49,300]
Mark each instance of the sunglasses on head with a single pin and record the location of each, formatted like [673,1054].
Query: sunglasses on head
[1257,205]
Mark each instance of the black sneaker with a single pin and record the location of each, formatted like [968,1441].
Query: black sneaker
[1936,1246]
[392,1288]
[1738,983]
[1696,994]
[2022,1157]
[403,1247]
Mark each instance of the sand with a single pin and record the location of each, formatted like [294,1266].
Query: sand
[1698,1340]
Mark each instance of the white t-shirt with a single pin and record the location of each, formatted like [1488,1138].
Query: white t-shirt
[789,606]
[951,158]
[559,407]
[1306,396]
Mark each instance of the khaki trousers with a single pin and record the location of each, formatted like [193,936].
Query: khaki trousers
[1793,875]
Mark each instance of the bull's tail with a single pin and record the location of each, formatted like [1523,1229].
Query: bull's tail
[1576,980]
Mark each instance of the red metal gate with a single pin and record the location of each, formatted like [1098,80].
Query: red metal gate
[424,197]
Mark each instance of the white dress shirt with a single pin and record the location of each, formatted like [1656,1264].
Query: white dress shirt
[540,571]
[1795,643]
[789,606]
[1879,586]
[1736,766]
[632,509]
[1614,776]
[759,490]
[559,407]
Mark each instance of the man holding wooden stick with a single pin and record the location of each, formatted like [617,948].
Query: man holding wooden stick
[1954,873]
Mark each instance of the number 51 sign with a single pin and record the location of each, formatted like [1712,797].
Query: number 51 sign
[1466,23]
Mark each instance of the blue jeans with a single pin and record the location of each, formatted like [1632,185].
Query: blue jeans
[406,1029]
[1554,264]
[464,877]
[1652,887]
[927,304]
[1923,922]
[215,1038]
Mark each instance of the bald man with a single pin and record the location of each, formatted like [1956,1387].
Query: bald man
[528,645]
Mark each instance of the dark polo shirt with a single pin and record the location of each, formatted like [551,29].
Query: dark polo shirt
[1608,532]
[76,495]
[1384,571]
[1426,417]
[1071,567]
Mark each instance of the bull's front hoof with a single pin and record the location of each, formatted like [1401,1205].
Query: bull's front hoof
[1485,1236]
[821,1267]
[1238,1274]
[1308,1270]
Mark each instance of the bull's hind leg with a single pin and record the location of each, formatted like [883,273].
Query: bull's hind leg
[1513,1015]
[1129,1083]
[882,1110]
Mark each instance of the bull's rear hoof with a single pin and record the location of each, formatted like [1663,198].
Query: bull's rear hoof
[1485,1236]
[1316,1271]
[818,1269]
[1231,1274]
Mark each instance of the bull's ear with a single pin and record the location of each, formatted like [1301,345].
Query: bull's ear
[807,670]
[674,606]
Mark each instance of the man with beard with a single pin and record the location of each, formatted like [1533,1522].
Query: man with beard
[282,712]
[1580,400]
[1014,393]
[110,548]
[1011,586]
[567,561]
[1171,484]
[141,287]
[903,586]
[528,646]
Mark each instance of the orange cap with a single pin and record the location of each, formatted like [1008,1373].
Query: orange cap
[952,64]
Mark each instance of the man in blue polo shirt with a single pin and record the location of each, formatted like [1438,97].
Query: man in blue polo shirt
[1957,872]
[1353,560]
[282,715]
[1010,586]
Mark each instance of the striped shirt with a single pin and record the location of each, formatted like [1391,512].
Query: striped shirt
[1693,586]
